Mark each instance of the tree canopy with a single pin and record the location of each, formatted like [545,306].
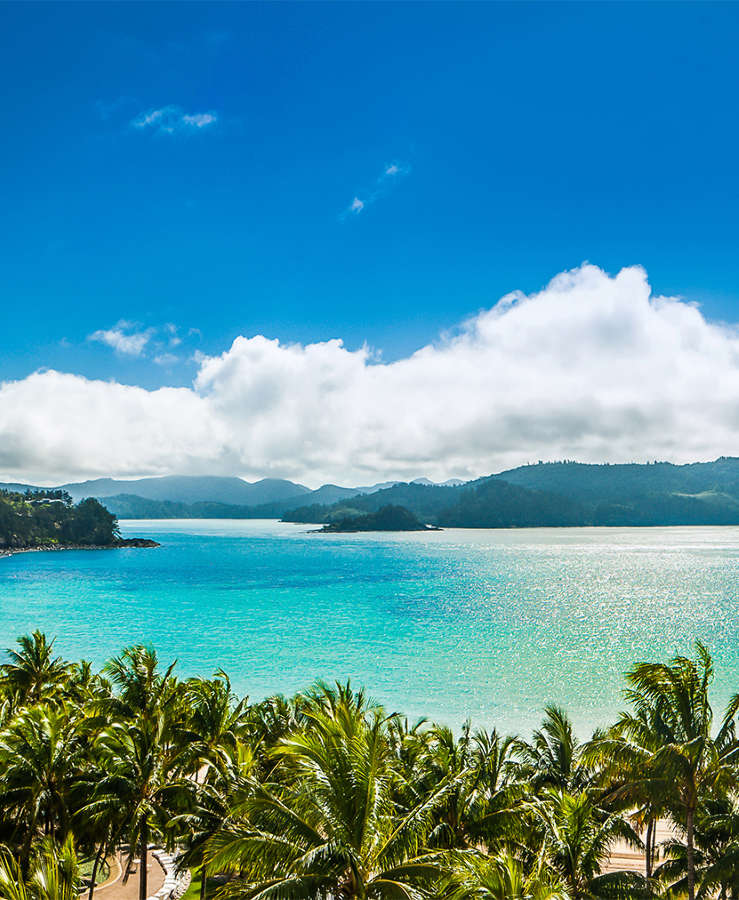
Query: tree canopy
[49,518]
[328,795]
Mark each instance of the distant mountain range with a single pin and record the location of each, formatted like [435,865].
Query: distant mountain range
[207,496]
[184,489]
[559,493]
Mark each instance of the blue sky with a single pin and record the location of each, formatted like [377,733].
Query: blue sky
[177,175]
[534,137]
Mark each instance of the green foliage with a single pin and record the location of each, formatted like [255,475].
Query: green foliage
[388,518]
[564,494]
[49,519]
[326,795]
[53,874]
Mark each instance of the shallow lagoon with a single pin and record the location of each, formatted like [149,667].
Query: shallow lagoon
[491,624]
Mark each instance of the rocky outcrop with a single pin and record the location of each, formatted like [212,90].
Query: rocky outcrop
[120,544]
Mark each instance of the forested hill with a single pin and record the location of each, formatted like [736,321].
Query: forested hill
[50,519]
[613,483]
[553,494]
[488,503]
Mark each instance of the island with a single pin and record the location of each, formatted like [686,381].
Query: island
[49,520]
[388,518]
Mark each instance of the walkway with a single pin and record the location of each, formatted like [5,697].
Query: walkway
[115,889]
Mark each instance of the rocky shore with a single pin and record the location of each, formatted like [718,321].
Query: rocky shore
[120,544]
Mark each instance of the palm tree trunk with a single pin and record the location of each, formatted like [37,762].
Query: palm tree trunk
[203,885]
[98,857]
[143,886]
[690,852]
[648,848]
[654,843]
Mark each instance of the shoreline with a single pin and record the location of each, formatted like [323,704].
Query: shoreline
[122,544]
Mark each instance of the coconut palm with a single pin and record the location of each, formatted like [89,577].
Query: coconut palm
[41,752]
[142,689]
[474,876]
[551,759]
[716,852]
[215,724]
[679,758]
[33,673]
[481,807]
[577,839]
[86,687]
[142,783]
[619,754]
[330,826]
[210,811]
[54,874]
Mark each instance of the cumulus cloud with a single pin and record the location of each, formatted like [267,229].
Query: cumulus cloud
[593,367]
[123,338]
[173,120]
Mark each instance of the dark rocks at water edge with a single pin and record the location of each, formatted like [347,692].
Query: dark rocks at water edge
[120,544]
[136,542]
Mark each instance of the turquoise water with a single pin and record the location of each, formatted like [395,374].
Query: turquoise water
[487,624]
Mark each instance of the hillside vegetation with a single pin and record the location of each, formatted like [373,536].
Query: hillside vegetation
[49,518]
[561,494]
[388,518]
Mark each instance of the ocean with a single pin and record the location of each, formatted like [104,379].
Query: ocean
[491,625]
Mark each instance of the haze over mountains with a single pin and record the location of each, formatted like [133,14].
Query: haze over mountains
[190,496]
[559,493]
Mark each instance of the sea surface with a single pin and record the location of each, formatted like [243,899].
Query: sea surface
[487,624]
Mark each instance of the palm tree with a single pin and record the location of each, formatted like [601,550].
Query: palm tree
[41,755]
[86,687]
[54,874]
[33,673]
[141,782]
[618,755]
[483,803]
[502,877]
[215,723]
[211,810]
[716,852]
[678,757]
[330,827]
[142,689]
[577,838]
[552,758]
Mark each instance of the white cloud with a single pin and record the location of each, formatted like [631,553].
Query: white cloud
[381,186]
[174,339]
[166,359]
[593,367]
[156,343]
[394,170]
[123,338]
[173,119]
[154,117]
[198,120]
